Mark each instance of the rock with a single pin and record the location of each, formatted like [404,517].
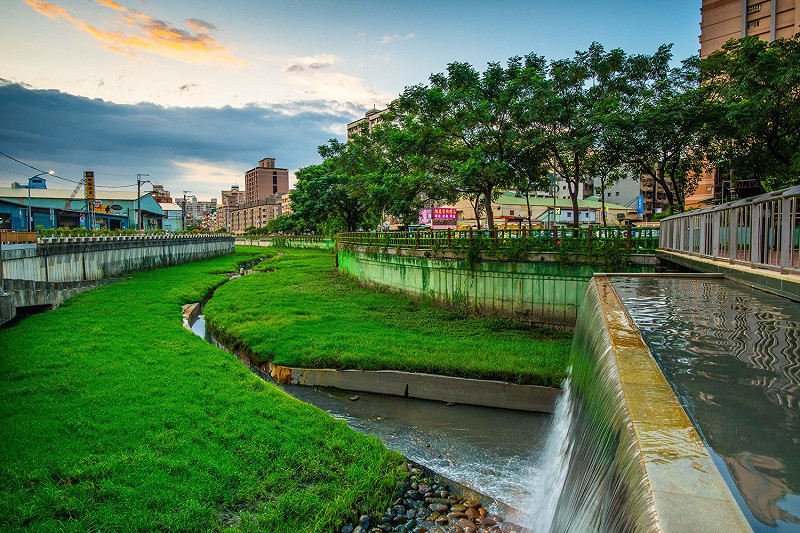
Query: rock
[456,516]
[364,522]
[439,507]
[458,507]
[485,522]
[411,524]
[411,513]
[472,503]
[483,512]
[398,510]
[354,398]
[469,527]
[347,528]
[472,513]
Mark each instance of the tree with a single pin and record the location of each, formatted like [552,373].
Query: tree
[564,108]
[752,89]
[463,119]
[329,191]
[656,127]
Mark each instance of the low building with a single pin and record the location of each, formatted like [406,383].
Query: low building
[56,208]
[173,217]
[372,118]
[255,215]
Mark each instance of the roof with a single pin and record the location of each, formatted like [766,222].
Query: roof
[510,198]
[169,206]
[63,194]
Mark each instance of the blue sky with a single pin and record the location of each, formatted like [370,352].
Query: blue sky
[195,93]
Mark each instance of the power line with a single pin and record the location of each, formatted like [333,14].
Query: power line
[62,178]
[56,160]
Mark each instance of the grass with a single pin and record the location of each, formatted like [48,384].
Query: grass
[115,418]
[300,312]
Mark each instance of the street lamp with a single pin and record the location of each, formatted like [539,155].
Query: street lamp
[184,211]
[139,182]
[30,215]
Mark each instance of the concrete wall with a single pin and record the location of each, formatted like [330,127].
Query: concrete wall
[545,291]
[94,258]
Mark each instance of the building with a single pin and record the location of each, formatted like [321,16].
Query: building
[286,205]
[255,215]
[57,208]
[264,181]
[372,118]
[231,200]
[160,195]
[173,217]
[723,20]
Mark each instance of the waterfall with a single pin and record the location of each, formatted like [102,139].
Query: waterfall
[591,476]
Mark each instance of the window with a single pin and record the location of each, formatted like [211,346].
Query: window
[609,194]
[753,9]
[511,212]
[274,189]
[753,24]
[617,193]
[274,180]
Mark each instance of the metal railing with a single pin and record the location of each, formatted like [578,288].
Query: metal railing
[566,240]
[762,231]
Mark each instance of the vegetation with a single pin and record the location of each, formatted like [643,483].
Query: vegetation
[113,417]
[300,312]
[598,115]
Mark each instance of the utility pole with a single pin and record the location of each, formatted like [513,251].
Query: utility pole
[139,182]
[184,210]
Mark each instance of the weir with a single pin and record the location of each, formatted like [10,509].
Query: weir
[623,455]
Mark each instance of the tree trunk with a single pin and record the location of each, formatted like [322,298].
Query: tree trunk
[603,199]
[528,203]
[572,187]
[476,208]
[487,201]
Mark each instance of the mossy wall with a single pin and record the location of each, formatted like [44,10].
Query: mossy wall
[547,293]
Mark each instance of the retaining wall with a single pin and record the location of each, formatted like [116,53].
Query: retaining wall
[94,258]
[543,291]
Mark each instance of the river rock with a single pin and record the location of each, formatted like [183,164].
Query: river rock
[439,507]
[472,503]
[456,516]
[472,513]
[458,507]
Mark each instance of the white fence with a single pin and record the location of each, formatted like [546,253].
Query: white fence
[762,231]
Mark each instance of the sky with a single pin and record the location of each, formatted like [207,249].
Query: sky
[195,93]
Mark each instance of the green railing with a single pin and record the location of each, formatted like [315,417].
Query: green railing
[559,240]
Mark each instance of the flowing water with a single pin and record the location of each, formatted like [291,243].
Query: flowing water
[485,449]
[590,478]
[732,355]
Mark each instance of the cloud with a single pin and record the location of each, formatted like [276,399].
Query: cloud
[396,37]
[144,33]
[315,62]
[187,86]
[199,149]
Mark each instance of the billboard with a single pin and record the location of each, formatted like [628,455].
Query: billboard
[89,177]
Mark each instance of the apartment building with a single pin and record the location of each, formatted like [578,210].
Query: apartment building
[264,181]
[372,118]
[723,20]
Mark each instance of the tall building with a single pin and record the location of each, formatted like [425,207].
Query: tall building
[264,181]
[372,118]
[161,195]
[723,20]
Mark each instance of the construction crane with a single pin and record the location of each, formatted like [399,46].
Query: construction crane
[68,202]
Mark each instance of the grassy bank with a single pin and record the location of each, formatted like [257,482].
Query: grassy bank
[114,418]
[300,312]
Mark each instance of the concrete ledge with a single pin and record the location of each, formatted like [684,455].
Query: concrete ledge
[425,387]
[688,491]
[782,284]
[7,308]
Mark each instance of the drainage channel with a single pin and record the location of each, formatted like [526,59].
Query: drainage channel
[487,450]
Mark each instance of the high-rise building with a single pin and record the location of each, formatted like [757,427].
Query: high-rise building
[723,20]
[160,195]
[264,181]
[372,118]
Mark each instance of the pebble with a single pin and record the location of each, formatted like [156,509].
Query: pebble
[425,505]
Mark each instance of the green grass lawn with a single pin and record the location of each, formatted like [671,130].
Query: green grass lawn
[115,418]
[300,312]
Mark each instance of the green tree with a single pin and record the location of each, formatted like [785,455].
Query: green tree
[656,127]
[463,120]
[752,89]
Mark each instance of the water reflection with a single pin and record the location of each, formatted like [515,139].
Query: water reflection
[733,357]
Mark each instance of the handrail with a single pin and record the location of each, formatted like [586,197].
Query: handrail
[762,231]
[559,239]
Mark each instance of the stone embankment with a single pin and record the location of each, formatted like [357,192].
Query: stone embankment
[427,505]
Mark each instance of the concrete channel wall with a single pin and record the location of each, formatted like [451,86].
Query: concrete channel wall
[542,291]
[95,258]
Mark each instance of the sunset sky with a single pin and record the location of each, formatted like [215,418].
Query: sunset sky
[194,93]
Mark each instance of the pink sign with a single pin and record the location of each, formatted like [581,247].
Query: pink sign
[445,213]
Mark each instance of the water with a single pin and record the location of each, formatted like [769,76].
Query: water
[590,477]
[732,355]
[488,450]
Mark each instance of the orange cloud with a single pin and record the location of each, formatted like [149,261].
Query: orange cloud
[149,35]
